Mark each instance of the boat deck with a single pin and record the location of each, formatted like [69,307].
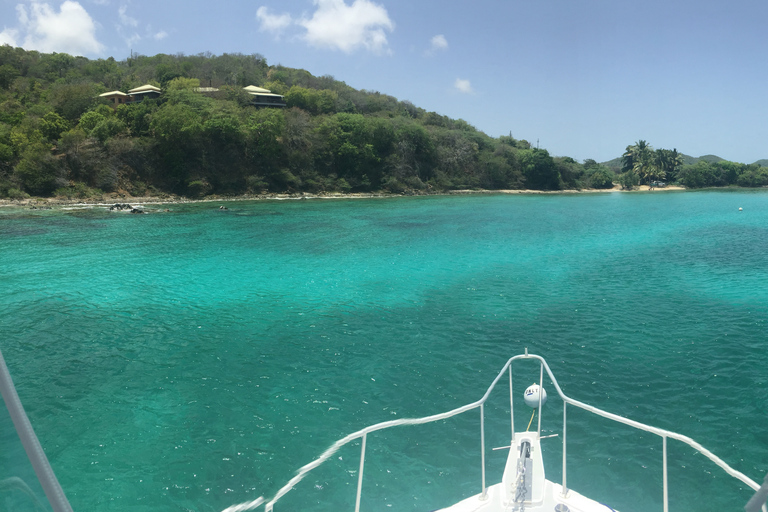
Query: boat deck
[553,501]
[525,487]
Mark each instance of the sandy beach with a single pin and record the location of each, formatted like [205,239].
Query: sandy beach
[117,198]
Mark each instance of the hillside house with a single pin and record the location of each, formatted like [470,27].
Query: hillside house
[144,92]
[115,98]
[264,97]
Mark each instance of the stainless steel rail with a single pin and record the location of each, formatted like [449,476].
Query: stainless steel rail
[664,434]
[29,440]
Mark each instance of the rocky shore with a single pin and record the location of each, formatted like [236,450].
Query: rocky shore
[113,200]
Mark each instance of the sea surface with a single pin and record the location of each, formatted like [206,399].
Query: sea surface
[196,358]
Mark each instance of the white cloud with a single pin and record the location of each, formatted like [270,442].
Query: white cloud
[70,30]
[439,43]
[275,23]
[126,26]
[336,25]
[126,29]
[339,26]
[125,19]
[8,36]
[463,86]
[21,12]
[130,40]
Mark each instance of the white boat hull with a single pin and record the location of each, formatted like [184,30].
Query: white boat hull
[524,486]
[495,496]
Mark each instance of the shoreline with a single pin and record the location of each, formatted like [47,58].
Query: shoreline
[117,198]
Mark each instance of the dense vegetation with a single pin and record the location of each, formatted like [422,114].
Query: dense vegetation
[642,164]
[57,137]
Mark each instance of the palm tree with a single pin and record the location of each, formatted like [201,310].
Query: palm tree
[640,159]
[676,162]
[668,162]
[663,162]
[634,154]
[628,159]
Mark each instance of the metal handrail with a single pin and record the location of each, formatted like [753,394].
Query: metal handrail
[31,444]
[664,434]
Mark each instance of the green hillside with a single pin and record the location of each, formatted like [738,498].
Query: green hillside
[193,126]
[198,132]
[712,159]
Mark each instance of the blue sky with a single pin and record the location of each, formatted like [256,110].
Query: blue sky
[585,78]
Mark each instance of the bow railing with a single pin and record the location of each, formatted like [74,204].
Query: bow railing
[480,404]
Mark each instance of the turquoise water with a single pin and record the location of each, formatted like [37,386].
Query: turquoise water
[193,359]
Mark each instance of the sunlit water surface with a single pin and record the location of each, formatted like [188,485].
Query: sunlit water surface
[193,359]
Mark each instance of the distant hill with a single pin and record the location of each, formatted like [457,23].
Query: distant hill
[689,160]
[713,159]
[615,164]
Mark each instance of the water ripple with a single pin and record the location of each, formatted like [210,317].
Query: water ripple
[195,360]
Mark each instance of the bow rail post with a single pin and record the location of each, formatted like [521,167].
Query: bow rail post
[565,486]
[541,393]
[664,472]
[360,475]
[484,495]
[511,405]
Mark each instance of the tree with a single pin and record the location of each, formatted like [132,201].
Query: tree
[53,125]
[11,112]
[299,142]
[571,172]
[24,136]
[313,101]
[629,157]
[181,83]
[300,97]
[350,149]
[668,162]
[263,129]
[641,159]
[224,140]
[83,159]
[410,152]
[753,176]
[601,177]
[108,128]
[70,100]
[89,120]
[676,163]
[136,116]
[456,158]
[7,75]
[699,175]
[629,179]
[177,129]
[539,169]
[499,172]
[39,172]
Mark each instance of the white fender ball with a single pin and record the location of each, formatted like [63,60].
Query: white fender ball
[531,396]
